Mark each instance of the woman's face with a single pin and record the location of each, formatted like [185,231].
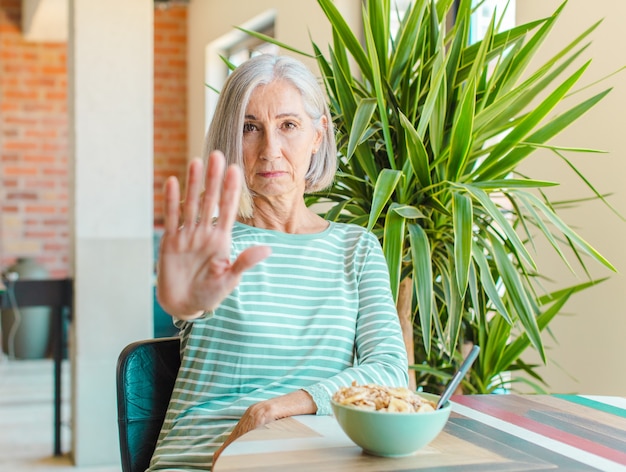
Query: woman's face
[278,141]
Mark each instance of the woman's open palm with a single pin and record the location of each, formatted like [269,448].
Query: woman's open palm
[194,272]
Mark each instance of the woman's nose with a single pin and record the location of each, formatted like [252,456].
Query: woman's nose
[270,148]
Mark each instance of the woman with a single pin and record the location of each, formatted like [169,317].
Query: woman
[277,307]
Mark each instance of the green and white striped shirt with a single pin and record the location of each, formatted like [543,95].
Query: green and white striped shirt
[316,315]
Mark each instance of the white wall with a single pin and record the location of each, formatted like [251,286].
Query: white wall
[590,351]
[296,22]
[45,20]
[110,52]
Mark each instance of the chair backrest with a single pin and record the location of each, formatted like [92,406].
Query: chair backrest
[146,371]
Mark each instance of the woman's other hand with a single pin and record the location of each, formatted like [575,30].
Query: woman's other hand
[194,272]
[295,403]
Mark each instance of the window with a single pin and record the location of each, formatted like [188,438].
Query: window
[236,46]
[251,46]
[505,16]
[484,9]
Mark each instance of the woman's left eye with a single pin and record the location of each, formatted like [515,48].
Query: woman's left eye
[290,125]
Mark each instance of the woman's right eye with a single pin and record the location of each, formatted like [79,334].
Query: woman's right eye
[249,127]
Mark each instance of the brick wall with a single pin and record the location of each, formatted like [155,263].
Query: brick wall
[34,146]
[34,185]
[170,99]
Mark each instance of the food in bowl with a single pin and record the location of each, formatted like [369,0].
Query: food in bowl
[382,398]
[369,416]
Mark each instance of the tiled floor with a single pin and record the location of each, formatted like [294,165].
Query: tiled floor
[26,430]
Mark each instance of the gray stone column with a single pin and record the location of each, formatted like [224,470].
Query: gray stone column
[110,73]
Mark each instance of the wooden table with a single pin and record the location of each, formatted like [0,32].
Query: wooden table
[484,433]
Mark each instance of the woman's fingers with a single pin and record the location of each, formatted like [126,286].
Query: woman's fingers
[172,202]
[212,187]
[249,258]
[194,187]
[229,202]
[222,192]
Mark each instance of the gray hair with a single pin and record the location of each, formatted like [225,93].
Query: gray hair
[226,130]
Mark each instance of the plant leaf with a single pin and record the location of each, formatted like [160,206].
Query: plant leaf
[417,152]
[362,118]
[347,36]
[377,80]
[462,133]
[422,278]
[270,39]
[502,184]
[463,220]
[517,134]
[502,222]
[567,231]
[488,283]
[408,211]
[393,245]
[517,293]
[385,185]
[515,349]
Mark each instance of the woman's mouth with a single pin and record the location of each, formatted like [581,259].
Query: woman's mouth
[271,174]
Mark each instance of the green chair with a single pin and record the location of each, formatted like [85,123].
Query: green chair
[146,371]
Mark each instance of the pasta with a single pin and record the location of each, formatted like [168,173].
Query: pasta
[381,398]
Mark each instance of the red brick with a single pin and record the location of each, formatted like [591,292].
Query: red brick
[49,171]
[55,222]
[39,234]
[39,184]
[22,121]
[34,123]
[6,107]
[15,171]
[21,196]
[39,133]
[40,209]
[61,96]
[52,247]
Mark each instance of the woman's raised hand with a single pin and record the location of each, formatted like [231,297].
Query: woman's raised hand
[194,272]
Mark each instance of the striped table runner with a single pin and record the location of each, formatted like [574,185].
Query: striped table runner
[566,432]
[484,433]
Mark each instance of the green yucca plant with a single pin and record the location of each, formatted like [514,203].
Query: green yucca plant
[431,130]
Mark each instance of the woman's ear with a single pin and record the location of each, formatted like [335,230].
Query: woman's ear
[321,130]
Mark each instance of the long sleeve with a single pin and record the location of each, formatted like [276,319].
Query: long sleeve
[380,355]
[316,315]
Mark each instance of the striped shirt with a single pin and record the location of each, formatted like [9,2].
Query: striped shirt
[316,315]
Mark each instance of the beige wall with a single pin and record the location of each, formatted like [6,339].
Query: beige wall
[296,22]
[590,351]
[589,354]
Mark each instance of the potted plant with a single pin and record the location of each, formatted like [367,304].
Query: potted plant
[432,131]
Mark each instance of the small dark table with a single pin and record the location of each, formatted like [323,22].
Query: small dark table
[58,295]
